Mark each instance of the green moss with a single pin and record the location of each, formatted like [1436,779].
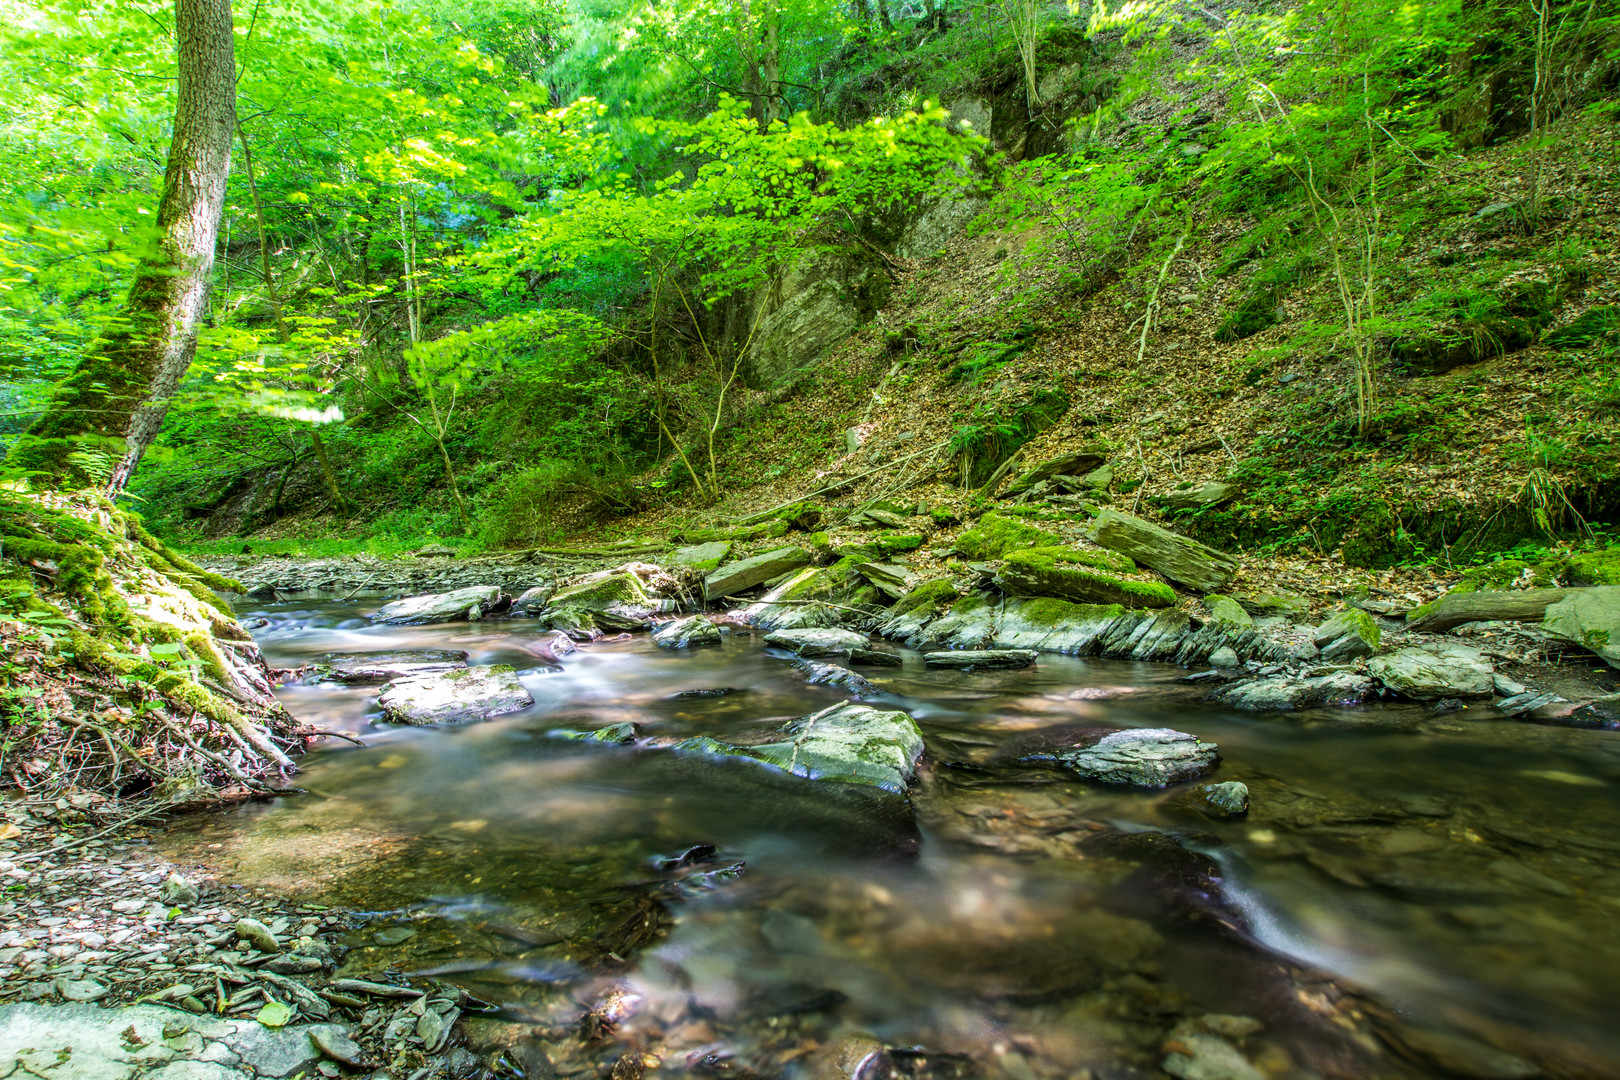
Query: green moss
[943,516]
[1587,329]
[1257,312]
[801,515]
[892,543]
[931,593]
[1050,612]
[1597,567]
[1352,620]
[996,534]
[1057,571]
[624,588]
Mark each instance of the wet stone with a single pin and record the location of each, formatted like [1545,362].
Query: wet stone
[1140,757]
[1230,799]
[981,658]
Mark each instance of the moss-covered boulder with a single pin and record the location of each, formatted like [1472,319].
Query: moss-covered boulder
[594,592]
[1443,348]
[734,577]
[1276,605]
[1227,612]
[1090,577]
[702,557]
[1596,567]
[1589,618]
[919,607]
[996,534]
[1347,635]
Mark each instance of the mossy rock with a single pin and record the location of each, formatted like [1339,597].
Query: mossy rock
[892,543]
[1084,576]
[1257,312]
[803,516]
[1596,567]
[996,534]
[1350,621]
[595,594]
[1444,348]
[1589,328]
[1225,611]
[763,531]
[1509,573]
[933,594]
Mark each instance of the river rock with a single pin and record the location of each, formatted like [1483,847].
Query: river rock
[533,600]
[1227,612]
[981,658]
[1224,657]
[440,607]
[833,675]
[612,599]
[823,641]
[1290,606]
[702,557]
[454,697]
[1178,558]
[1140,757]
[684,633]
[889,579]
[1346,635]
[1591,619]
[1434,672]
[1230,799]
[874,657]
[846,743]
[1292,692]
[258,935]
[370,668]
[339,1047]
[176,891]
[734,577]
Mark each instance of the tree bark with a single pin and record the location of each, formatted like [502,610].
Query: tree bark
[1515,605]
[771,63]
[118,393]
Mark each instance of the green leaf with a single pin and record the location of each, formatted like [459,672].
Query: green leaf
[274,1015]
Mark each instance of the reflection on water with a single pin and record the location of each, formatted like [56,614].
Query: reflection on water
[1462,873]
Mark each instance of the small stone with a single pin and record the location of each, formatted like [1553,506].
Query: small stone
[178,892]
[394,935]
[1224,657]
[1507,687]
[258,935]
[336,1045]
[81,990]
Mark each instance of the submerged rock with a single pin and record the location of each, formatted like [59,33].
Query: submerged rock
[833,675]
[620,734]
[684,633]
[364,668]
[817,641]
[847,743]
[1435,672]
[440,607]
[1140,757]
[1293,692]
[981,658]
[1230,799]
[454,697]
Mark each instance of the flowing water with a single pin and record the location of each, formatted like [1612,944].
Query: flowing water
[1410,893]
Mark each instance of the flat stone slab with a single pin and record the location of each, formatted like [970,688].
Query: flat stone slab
[734,577]
[817,641]
[149,1042]
[1287,692]
[365,668]
[1176,557]
[847,743]
[704,557]
[438,607]
[832,675]
[454,697]
[1432,672]
[687,632]
[1591,619]
[981,658]
[1142,757]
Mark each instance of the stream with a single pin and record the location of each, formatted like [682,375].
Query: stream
[1411,894]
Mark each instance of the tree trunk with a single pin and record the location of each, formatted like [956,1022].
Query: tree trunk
[771,64]
[1516,605]
[120,391]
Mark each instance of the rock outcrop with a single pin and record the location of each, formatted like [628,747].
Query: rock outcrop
[1589,618]
[1178,558]
[1433,672]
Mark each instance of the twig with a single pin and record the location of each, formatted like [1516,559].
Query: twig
[119,824]
[330,734]
[357,588]
[842,483]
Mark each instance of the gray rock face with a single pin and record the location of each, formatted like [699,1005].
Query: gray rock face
[1224,657]
[1142,757]
[743,574]
[1591,619]
[439,607]
[847,743]
[533,600]
[687,632]
[1432,672]
[981,658]
[1178,558]
[704,557]
[812,641]
[454,697]
[813,305]
[1287,692]
[1347,635]
[891,580]
[368,668]
[1228,612]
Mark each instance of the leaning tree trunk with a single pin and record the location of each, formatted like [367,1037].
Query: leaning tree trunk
[119,392]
